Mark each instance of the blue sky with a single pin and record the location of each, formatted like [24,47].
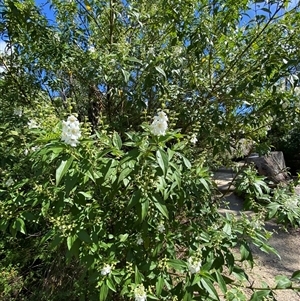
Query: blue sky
[46,9]
[292,3]
[50,16]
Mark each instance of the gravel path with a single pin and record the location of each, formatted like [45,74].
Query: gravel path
[267,266]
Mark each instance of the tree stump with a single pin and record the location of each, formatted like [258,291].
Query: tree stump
[272,166]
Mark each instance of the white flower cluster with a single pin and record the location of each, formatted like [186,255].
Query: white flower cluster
[194,139]
[139,293]
[32,124]
[161,228]
[33,149]
[92,49]
[71,131]
[106,269]
[18,112]
[139,240]
[159,125]
[194,265]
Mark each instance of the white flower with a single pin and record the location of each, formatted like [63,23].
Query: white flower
[139,240]
[194,265]
[35,148]
[106,270]
[32,124]
[161,228]
[159,128]
[139,293]
[161,115]
[71,131]
[9,182]
[159,125]
[26,152]
[18,112]
[194,139]
[92,49]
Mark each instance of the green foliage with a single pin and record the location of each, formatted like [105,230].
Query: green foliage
[285,206]
[138,206]
[126,214]
[252,187]
[281,203]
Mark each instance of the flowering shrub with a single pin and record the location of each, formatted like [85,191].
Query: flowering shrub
[135,215]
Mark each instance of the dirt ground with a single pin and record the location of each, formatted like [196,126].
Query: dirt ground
[269,265]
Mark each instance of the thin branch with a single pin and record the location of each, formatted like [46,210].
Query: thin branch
[238,56]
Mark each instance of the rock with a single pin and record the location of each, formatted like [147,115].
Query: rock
[272,166]
[243,148]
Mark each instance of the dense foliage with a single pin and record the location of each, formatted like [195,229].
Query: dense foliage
[112,115]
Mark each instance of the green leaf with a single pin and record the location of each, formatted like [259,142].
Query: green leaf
[239,273]
[117,142]
[28,216]
[259,295]
[138,277]
[205,184]
[161,71]
[70,241]
[124,173]
[83,236]
[186,162]
[136,196]
[268,249]
[103,292]
[246,253]
[177,264]
[296,275]
[163,160]
[56,241]
[110,284]
[126,75]
[208,286]
[144,208]
[135,60]
[20,225]
[283,282]
[87,195]
[62,169]
[272,209]
[163,209]
[227,229]
[123,237]
[187,296]
[109,169]
[197,278]
[159,285]
[221,282]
